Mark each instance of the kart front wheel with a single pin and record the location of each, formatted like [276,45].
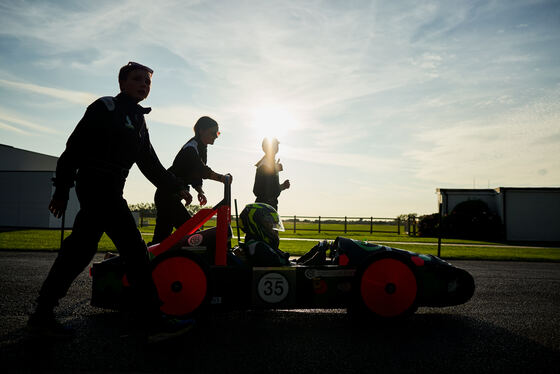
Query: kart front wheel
[386,286]
[181,280]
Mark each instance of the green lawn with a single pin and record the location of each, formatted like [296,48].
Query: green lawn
[484,252]
[47,240]
[50,240]
[361,232]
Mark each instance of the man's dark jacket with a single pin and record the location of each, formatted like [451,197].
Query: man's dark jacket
[108,140]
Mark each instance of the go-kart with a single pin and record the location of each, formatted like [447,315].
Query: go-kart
[199,271]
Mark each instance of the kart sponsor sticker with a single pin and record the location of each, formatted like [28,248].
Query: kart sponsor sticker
[317,273]
[195,240]
[273,288]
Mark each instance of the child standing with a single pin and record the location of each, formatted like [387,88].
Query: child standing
[190,167]
[267,186]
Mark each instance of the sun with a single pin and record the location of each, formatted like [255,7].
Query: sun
[273,121]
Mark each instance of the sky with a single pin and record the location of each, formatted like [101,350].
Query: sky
[376,103]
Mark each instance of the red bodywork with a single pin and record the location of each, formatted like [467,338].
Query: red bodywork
[193,224]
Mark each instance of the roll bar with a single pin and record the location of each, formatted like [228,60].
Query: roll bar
[222,209]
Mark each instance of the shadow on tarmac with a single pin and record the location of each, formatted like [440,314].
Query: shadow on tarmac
[308,341]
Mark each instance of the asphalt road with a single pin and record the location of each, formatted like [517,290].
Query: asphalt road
[512,324]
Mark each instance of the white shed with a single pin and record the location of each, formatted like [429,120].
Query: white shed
[528,213]
[26,189]
[451,197]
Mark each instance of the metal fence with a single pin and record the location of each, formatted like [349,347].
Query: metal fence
[341,224]
[321,224]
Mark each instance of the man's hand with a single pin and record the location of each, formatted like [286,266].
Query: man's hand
[202,199]
[285,185]
[185,195]
[57,207]
[227,178]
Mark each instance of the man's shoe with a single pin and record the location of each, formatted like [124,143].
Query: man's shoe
[168,328]
[45,325]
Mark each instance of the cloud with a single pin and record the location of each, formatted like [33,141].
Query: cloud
[183,116]
[61,27]
[313,57]
[432,92]
[318,55]
[77,97]
[506,148]
[13,129]
[15,119]
[333,158]
[338,158]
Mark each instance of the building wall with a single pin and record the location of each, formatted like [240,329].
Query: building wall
[26,189]
[15,159]
[451,198]
[532,215]
[25,197]
[528,214]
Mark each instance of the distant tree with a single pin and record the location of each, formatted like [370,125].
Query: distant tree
[406,217]
[145,209]
[149,209]
[408,221]
[429,225]
[194,208]
[472,219]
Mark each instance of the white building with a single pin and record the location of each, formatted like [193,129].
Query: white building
[528,213]
[26,189]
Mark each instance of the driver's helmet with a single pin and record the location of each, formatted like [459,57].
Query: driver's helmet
[261,222]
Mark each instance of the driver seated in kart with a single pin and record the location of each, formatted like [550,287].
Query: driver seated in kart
[261,224]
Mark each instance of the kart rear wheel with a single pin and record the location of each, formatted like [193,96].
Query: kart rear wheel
[386,286]
[181,279]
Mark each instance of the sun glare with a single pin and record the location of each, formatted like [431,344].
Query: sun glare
[273,122]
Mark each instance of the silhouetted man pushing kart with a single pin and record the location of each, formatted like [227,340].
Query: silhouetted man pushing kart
[108,140]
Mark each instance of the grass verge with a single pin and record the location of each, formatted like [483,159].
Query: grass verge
[49,240]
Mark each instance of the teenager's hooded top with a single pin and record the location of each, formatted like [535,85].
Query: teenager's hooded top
[190,163]
[108,140]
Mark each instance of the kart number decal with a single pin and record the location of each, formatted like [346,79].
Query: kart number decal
[273,288]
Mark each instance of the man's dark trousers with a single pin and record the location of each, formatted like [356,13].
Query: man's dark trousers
[109,214]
